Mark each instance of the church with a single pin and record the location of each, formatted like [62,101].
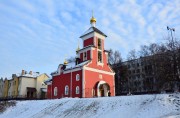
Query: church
[89,75]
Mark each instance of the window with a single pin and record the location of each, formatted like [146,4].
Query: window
[66,90]
[77,77]
[55,91]
[99,56]
[137,64]
[99,44]
[85,56]
[77,89]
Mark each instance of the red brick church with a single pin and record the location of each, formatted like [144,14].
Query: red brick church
[90,75]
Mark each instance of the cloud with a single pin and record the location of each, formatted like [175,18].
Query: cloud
[42,33]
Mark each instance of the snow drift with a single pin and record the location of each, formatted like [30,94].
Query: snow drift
[139,106]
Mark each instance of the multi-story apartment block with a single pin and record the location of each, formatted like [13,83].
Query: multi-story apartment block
[143,75]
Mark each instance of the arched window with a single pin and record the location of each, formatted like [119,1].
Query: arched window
[66,90]
[55,91]
[77,77]
[77,89]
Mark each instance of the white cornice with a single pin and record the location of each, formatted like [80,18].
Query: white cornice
[72,70]
[100,71]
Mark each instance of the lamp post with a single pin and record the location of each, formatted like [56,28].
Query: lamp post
[175,66]
[171,30]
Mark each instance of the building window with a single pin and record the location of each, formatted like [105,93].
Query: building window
[85,56]
[77,77]
[77,89]
[99,44]
[100,56]
[55,91]
[66,90]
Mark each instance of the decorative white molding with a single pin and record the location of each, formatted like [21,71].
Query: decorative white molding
[72,70]
[99,36]
[100,71]
[83,85]
[100,83]
[88,36]
[100,64]
[100,76]
[93,34]
[86,49]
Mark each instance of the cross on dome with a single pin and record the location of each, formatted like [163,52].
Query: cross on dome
[93,20]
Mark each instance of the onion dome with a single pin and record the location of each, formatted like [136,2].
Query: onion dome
[65,62]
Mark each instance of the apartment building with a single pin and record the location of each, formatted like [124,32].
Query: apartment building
[143,75]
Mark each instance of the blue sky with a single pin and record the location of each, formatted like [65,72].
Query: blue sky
[38,35]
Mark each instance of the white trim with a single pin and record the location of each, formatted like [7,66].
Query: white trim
[94,40]
[98,93]
[93,34]
[83,86]
[55,91]
[88,36]
[101,64]
[100,71]
[77,90]
[73,70]
[99,36]
[77,77]
[86,49]
[110,69]
[66,88]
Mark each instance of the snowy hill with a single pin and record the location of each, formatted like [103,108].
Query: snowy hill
[140,106]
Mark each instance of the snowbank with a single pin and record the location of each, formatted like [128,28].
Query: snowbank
[140,106]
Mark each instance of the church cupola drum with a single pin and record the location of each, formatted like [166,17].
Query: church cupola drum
[90,75]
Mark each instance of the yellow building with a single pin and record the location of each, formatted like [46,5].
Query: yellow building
[31,84]
[26,85]
[15,85]
[1,87]
[6,86]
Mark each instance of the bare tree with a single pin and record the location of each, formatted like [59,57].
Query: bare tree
[114,57]
[144,51]
[132,55]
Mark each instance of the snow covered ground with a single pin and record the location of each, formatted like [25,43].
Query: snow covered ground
[139,106]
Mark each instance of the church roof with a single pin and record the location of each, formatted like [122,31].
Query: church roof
[92,29]
[86,47]
[72,65]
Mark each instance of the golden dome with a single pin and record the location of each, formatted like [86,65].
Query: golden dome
[65,62]
[77,48]
[92,19]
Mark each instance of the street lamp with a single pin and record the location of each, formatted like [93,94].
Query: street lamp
[175,66]
[171,30]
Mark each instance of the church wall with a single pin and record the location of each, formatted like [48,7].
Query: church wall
[104,66]
[91,78]
[62,80]
[88,42]
[49,91]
